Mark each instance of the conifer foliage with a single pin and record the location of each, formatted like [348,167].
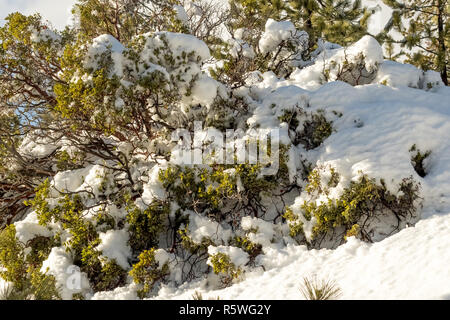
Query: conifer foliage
[424,26]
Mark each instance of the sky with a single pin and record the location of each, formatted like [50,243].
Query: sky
[55,11]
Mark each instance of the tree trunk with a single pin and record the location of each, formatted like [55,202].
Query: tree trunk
[441,40]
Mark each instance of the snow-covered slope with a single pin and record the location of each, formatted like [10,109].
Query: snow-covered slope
[379,124]
[412,264]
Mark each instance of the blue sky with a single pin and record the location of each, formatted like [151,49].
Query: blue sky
[55,11]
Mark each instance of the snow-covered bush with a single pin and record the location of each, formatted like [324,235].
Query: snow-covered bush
[22,270]
[227,262]
[309,129]
[364,209]
[148,271]
[418,160]
[91,141]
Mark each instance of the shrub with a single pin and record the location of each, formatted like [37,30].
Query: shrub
[210,190]
[223,266]
[313,289]
[146,225]
[23,271]
[70,211]
[417,160]
[357,212]
[147,272]
[253,249]
[310,129]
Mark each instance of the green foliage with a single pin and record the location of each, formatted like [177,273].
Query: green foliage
[316,185]
[314,128]
[70,212]
[54,91]
[417,160]
[23,270]
[295,226]
[208,190]
[147,272]
[190,245]
[195,188]
[125,19]
[12,257]
[66,162]
[337,21]
[313,289]
[40,287]
[361,202]
[426,35]
[353,232]
[249,247]
[146,225]
[223,266]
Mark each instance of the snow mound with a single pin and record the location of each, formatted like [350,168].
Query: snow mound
[391,269]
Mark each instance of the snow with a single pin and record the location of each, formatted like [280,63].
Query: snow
[200,228]
[4,285]
[204,91]
[115,246]
[390,269]
[370,48]
[397,74]
[153,189]
[278,31]
[240,48]
[123,293]
[179,42]
[59,264]
[237,256]
[29,228]
[264,234]
[89,179]
[36,147]
[366,51]
[379,124]
[105,44]
[44,35]
[181,13]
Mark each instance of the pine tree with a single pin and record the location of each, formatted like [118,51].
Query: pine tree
[126,18]
[337,21]
[424,26]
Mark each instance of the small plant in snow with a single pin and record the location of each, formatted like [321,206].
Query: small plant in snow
[225,268]
[417,160]
[198,296]
[313,289]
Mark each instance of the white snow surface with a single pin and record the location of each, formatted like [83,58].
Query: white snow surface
[409,265]
[201,227]
[60,264]
[29,228]
[115,246]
